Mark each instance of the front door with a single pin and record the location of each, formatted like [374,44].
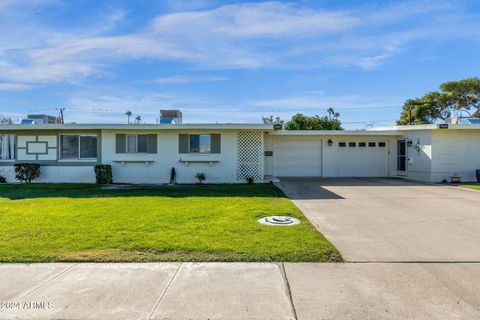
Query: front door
[401,156]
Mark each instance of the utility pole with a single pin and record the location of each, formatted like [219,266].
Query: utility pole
[61,114]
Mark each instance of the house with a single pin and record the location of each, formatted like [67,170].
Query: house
[227,153]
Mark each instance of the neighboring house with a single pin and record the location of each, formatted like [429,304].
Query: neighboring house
[228,153]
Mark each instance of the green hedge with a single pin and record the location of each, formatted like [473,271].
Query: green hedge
[103,173]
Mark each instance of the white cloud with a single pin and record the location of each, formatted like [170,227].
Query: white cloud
[241,36]
[8,86]
[188,79]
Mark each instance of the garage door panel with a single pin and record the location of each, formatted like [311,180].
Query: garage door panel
[297,158]
[362,161]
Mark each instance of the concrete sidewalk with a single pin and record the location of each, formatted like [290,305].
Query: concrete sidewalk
[240,291]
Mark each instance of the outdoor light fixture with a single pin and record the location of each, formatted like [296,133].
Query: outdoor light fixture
[330,142]
[409,143]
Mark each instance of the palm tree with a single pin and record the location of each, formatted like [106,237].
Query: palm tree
[138,119]
[128,114]
[331,112]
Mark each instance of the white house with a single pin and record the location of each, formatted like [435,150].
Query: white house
[227,153]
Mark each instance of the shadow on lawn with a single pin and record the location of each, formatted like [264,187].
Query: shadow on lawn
[47,190]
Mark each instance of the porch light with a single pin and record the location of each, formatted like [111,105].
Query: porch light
[330,142]
[409,143]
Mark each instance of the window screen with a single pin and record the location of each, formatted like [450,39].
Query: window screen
[200,143]
[69,147]
[88,147]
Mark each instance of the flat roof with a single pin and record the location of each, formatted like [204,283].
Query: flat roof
[428,127]
[208,126]
[335,133]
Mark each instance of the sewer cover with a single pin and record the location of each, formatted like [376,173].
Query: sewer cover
[279,221]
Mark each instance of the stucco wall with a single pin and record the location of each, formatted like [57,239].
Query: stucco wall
[167,156]
[455,152]
[419,160]
[56,174]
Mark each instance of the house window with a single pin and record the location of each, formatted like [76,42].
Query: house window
[362,144]
[79,147]
[352,144]
[200,143]
[137,143]
[342,144]
[372,144]
[382,144]
[7,147]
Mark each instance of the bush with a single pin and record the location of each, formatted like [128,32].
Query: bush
[200,177]
[3,179]
[26,172]
[103,174]
[250,179]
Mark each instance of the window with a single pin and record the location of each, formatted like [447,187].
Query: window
[382,144]
[7,147]
[200,143]
[137,143]
[79,147]
[342,144]
[362,144]
[372,144]
[352,144]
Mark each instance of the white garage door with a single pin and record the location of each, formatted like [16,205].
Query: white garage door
[362,159]
[297,158]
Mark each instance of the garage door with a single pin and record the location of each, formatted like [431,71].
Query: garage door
[362,159]
[297,158]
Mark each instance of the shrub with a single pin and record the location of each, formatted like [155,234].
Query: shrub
[26,172]
[103,174]
[3,179]
[250,179]
[200,177]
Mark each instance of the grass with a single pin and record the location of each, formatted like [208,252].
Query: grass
[472,186]
[68,222]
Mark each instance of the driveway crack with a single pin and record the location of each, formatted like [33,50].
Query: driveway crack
[165,291]
[288,291]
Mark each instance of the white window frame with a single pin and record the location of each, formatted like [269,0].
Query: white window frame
[79,152]
[136,143]
[14,147]
[199,134]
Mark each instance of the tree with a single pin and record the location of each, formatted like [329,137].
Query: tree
[138,120]
[271,120]
[303,122]
[424,110]
[463,95]
[5,120]
[128,114]
[460,96]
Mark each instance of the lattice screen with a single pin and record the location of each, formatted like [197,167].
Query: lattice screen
[250,155]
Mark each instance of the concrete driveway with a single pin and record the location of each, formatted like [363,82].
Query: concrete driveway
[391,219]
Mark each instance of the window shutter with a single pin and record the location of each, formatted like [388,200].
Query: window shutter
[152,143]
[120,142]
[183,143]
[215,143]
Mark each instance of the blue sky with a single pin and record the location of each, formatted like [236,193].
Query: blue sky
[231,61]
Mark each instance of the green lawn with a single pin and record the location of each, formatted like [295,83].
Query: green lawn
[472,186]
[68,222]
